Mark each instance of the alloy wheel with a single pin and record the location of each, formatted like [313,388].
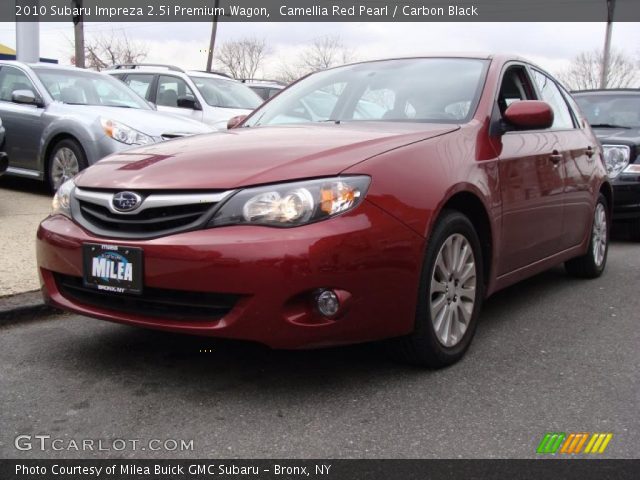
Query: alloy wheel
[453,290]
[63,167]
[599,235]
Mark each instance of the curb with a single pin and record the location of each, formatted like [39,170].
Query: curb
[23,306]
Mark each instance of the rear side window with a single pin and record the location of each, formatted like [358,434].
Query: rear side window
[141,84]
[575,109]
[551,94]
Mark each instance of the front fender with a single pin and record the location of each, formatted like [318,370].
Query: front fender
[86,135]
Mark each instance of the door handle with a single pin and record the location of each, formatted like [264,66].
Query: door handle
[590,151]
[555,157]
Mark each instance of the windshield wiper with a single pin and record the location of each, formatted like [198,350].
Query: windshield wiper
[337,122]
[609,125]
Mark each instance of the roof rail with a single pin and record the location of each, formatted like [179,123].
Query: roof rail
[133,66]
[266,80]
[222,74]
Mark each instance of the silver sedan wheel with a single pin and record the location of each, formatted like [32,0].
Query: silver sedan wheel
[599,235]
[64,166]
[453,290]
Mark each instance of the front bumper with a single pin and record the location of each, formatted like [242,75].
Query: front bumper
[626,197]
[272,273]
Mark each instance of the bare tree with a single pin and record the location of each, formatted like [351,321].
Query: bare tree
[103,51]
[324,52]
[242,58]
[584,71]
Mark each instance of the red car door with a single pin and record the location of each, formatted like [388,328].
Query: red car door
[581,171]
[532,184]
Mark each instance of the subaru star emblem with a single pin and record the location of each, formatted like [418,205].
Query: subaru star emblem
[126,201]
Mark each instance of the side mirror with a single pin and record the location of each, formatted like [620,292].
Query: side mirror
[529,115]
[233,122]
[26,97]
[188,102]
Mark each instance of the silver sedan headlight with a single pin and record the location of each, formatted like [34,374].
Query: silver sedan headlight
[293,204]
[61,204]
[616,158]
[124,133]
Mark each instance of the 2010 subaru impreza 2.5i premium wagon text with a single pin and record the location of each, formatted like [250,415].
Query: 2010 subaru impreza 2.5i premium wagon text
[426,185]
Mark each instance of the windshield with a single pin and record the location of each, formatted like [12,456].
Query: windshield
[226,93]
[437,90]
[88,88]
[612,109]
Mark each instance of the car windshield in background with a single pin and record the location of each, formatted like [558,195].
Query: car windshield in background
[435,90]
[87,88]
[226,93]
[611,109]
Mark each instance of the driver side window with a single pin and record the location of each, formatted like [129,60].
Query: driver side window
[170,89]
[515,87]
[12,79]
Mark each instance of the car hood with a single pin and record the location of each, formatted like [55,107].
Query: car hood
[622,135]
[149,122]
[251,156]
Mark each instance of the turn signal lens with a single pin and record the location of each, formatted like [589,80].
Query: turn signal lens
[337,197]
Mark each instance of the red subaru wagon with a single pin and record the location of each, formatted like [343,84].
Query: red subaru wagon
[379,200]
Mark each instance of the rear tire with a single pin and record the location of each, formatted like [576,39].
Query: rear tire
[67,158]
[591,264]
[449,298]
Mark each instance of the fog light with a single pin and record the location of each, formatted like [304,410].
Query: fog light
[328,303]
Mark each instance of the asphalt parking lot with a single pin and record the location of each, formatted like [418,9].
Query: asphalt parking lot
[552,354]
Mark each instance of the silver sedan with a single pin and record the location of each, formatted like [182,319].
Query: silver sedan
[59,120]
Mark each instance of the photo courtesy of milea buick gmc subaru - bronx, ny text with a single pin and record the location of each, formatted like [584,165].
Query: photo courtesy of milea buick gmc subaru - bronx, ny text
[393,222]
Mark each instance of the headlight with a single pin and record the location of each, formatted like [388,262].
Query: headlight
[123,133]
[61,204]
[293,204]
[616,158]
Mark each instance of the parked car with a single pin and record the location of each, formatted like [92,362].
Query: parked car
[614,116]
[59,120]
[264,88]
[4,159]
[212,98]
[479,173]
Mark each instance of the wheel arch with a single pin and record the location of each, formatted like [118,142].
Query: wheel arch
[471,205]
[52,142]
[607,190]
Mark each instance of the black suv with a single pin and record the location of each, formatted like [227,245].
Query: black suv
[614,116]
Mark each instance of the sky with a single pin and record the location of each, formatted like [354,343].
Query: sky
[550,45]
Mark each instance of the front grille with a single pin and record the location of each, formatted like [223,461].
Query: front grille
[154,302]
[157,214]
[148,221]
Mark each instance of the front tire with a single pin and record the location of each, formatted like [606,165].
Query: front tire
[450,295]
[591,264]
[65,160]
